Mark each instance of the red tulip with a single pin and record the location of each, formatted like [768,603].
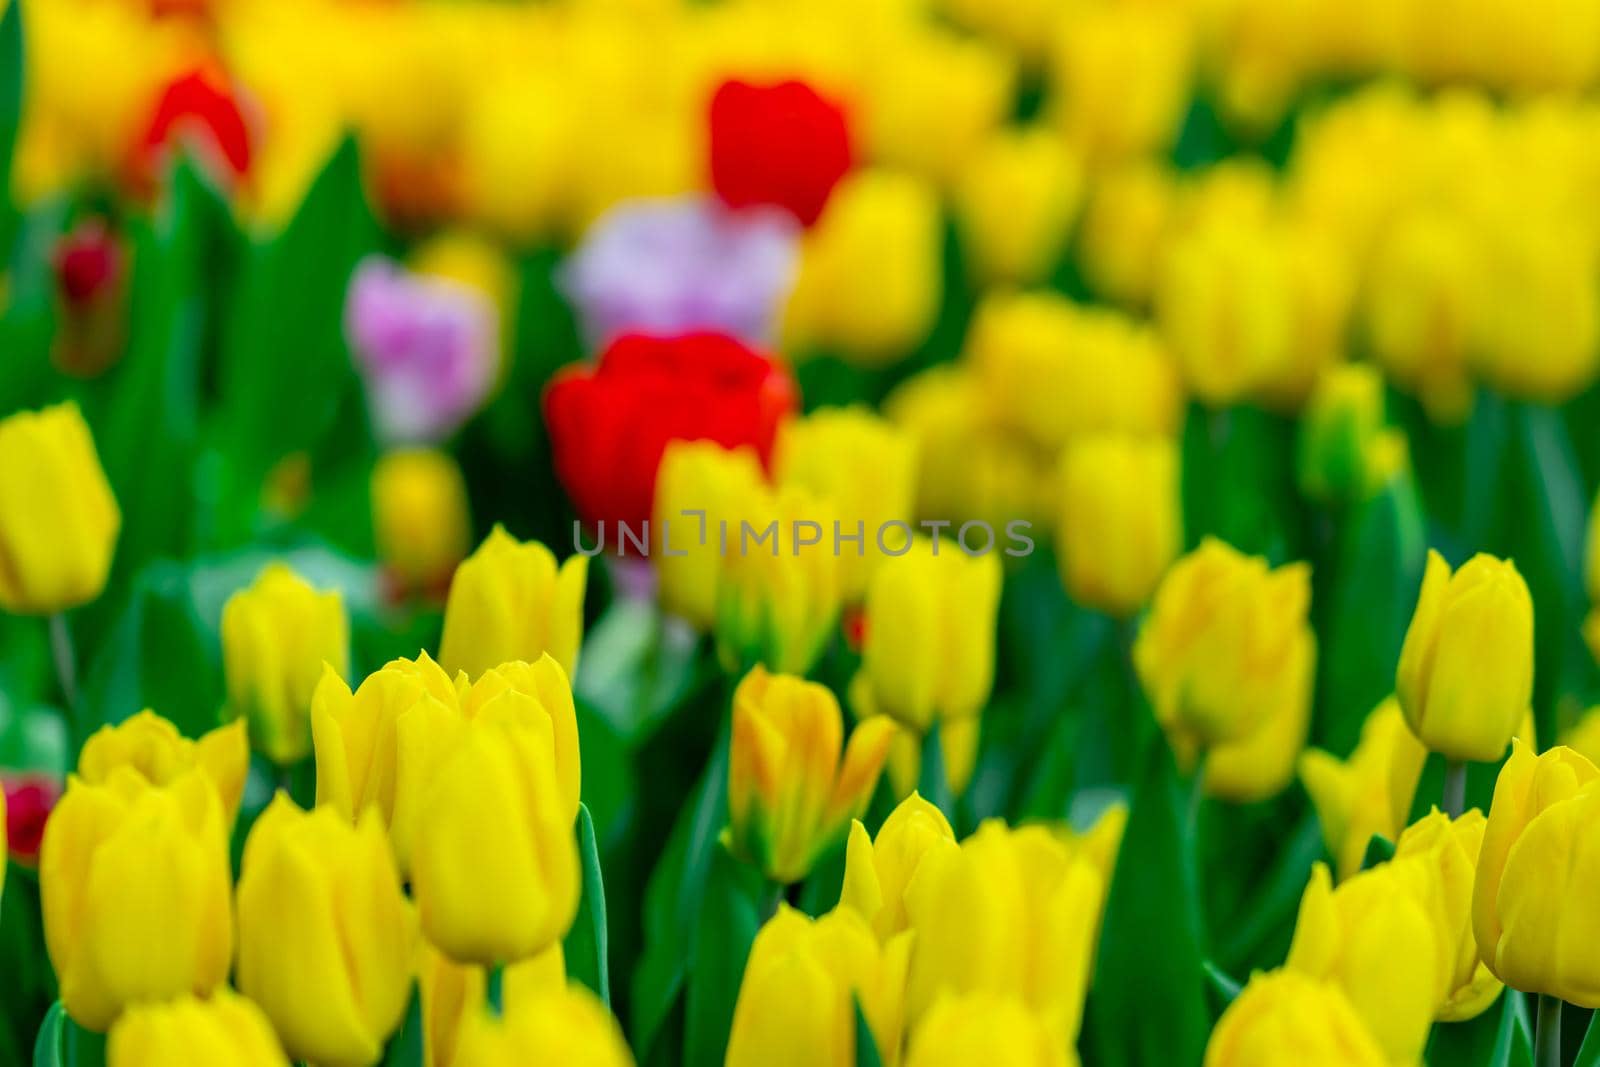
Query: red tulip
[610,423]
[29,798]
[199,110]
[779,144]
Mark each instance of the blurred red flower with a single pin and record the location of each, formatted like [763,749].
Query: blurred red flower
[29,798]
[199,110]
[610,423]
[779,144]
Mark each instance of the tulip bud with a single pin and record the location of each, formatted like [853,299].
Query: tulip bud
[986,1028]
[494,807]
[152,747]
[778,598]
[870,282]
[58,519]
[1532,901]
[325,935]
[1012,911]
[28,799]
[1125,221]
[566,1026]
[801,986]
[1369,793]
[878,870]
[789,794]
[225,1028]
[702,493]
[1373,939]
[866,468]
[542,690]
[929,648]
[1015,204]
[276,637]
[509,601]
[91,299]
[1261,764]
[1121,522]
[134,884]
[1450,849]
[419,517]
[1339,434]
[376,747]
[780,144]
[1281,1010]
[453,993]
[1226,645]
[1465,679]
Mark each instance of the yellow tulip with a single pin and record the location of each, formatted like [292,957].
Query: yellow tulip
[1015,205]
[869,283]
[326,938]
[878,870]
[152,746]
[777,598]
[702,494]
[494,863]
[930,632]
[1023,26]
[225,1028]
[452,993]
[542,690]
[1124,223]
[1369,793]
[134,883]
[566,1026]
[790,794]
[518,146]
[1121,521]
[1012,911]
[509,601]
[984,1028]
[1532,903]
[276,637]
[1262,763]
[58,519]
[1226,645]
[1053,370]
[802,982]
[1283,1010]
[1338,434]
[1373,938]
[419,516]
[865,467]
[1450,851]
[376,747]
[1465,679]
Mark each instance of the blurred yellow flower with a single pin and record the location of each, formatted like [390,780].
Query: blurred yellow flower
[988,1028]
[877,871]
[1369,793]
[870,278]
[1015,204]
[802,982]
[58,519]
[703,492]
[1373,938]
[510,601]
[1531,899]
[223,1028]
[1121,522]
[152,747]
[567,1025]
[135,890]
[454,993]
[1337,457]
[790,794]
[865,467]
[1465,679]
[1226,645]
[419,517]
[276,637]
[1285,1009]
[1125,221]
[326,936]
[1450,850]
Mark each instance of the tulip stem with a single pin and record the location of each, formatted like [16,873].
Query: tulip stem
[494,989]
[1454,800]
[65,661]
[1547,1032]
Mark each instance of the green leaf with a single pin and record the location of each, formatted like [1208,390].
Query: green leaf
[1150,961]
[586,944]
[11,81]
[1513,1043]
[1589,1051]
[1379,850]
[1273,909]
[866,1044]
[1465,1044]
[1223,985]
[730,915]
[405,1048]
[49,1047]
